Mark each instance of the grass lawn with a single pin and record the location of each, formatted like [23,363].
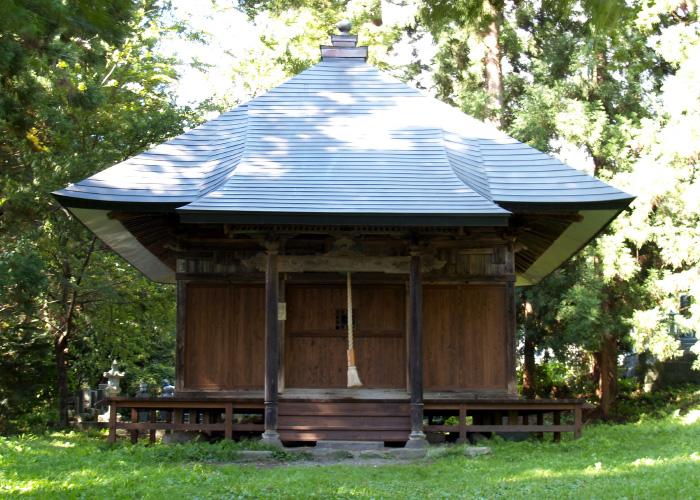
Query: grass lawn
[651,459]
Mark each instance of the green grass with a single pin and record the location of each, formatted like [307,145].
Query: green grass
[651,459]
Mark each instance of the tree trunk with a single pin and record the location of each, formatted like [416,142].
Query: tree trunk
[529,368]
[606,361]
[60,348]
[61,336]
[595,370]
[493,80]
[65,328]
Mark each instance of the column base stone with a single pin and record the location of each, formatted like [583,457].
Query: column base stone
[272,438]
[417,440]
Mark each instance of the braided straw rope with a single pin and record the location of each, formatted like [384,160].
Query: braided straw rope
[350,318]
[353,376]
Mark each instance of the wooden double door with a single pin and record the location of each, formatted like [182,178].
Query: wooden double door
[316,336]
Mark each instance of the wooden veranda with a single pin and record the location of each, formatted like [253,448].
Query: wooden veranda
[319,415]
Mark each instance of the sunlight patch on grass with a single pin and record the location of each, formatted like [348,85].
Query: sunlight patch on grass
[63,444]
[645,462]
[654,459]
[691,417]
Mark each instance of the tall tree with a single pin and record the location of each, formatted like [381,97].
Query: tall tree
[665,220]
[83,87]
[474,36]
[452,23]
[603,99]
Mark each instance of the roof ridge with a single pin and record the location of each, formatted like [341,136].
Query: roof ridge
[462,172]
[203,191]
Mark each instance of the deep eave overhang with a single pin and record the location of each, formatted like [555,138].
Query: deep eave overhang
[529,207]
[217,217]
[312,218]
[571,242]
[117,206]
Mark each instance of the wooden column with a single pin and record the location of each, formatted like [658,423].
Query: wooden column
[511,341]
[134,420]
[280,332]
[112,437]
[556,417]
[228,422]
[578,422]
[180,327]
[415,354]
[271,436]
[512,417]
[462,424]
[152,432]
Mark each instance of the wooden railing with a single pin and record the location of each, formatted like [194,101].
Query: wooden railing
[472,415]
[173,410]
[488,416]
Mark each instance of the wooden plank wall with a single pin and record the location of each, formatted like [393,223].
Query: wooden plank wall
[497,261]
[468,329]
[316,351]
[464,328]
[224,339]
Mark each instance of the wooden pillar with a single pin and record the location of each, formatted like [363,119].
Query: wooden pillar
[178,416]
[168,417]
[228,422]
[511,341]
[556,416]
[578,422]
[271,436]
[134,420]
[180,327]
[282,290]
[462,424]
[512,417]
[415,361]
[112,438]
[152,432]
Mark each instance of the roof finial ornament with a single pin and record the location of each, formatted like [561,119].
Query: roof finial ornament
[344,26]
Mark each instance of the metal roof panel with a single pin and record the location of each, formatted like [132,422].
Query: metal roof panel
[343,134]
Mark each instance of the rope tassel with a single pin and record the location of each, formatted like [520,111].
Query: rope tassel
[353,376]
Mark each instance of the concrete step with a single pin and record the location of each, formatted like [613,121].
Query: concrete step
[349,445]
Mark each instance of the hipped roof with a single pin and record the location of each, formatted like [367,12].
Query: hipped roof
[344,143]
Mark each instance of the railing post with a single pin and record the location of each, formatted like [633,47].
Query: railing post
[112,422]
[578,422]
[134,420]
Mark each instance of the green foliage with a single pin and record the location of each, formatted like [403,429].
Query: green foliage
[638,406]
[292,34]
[83,86]
[603,97]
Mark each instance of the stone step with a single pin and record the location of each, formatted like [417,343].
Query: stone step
[349,445]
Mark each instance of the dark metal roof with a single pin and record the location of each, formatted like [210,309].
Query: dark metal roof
[344,143]
[343,138]
[176,172]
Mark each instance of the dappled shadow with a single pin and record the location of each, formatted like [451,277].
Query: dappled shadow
[654,459]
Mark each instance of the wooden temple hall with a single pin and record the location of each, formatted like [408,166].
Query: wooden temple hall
[346,251]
